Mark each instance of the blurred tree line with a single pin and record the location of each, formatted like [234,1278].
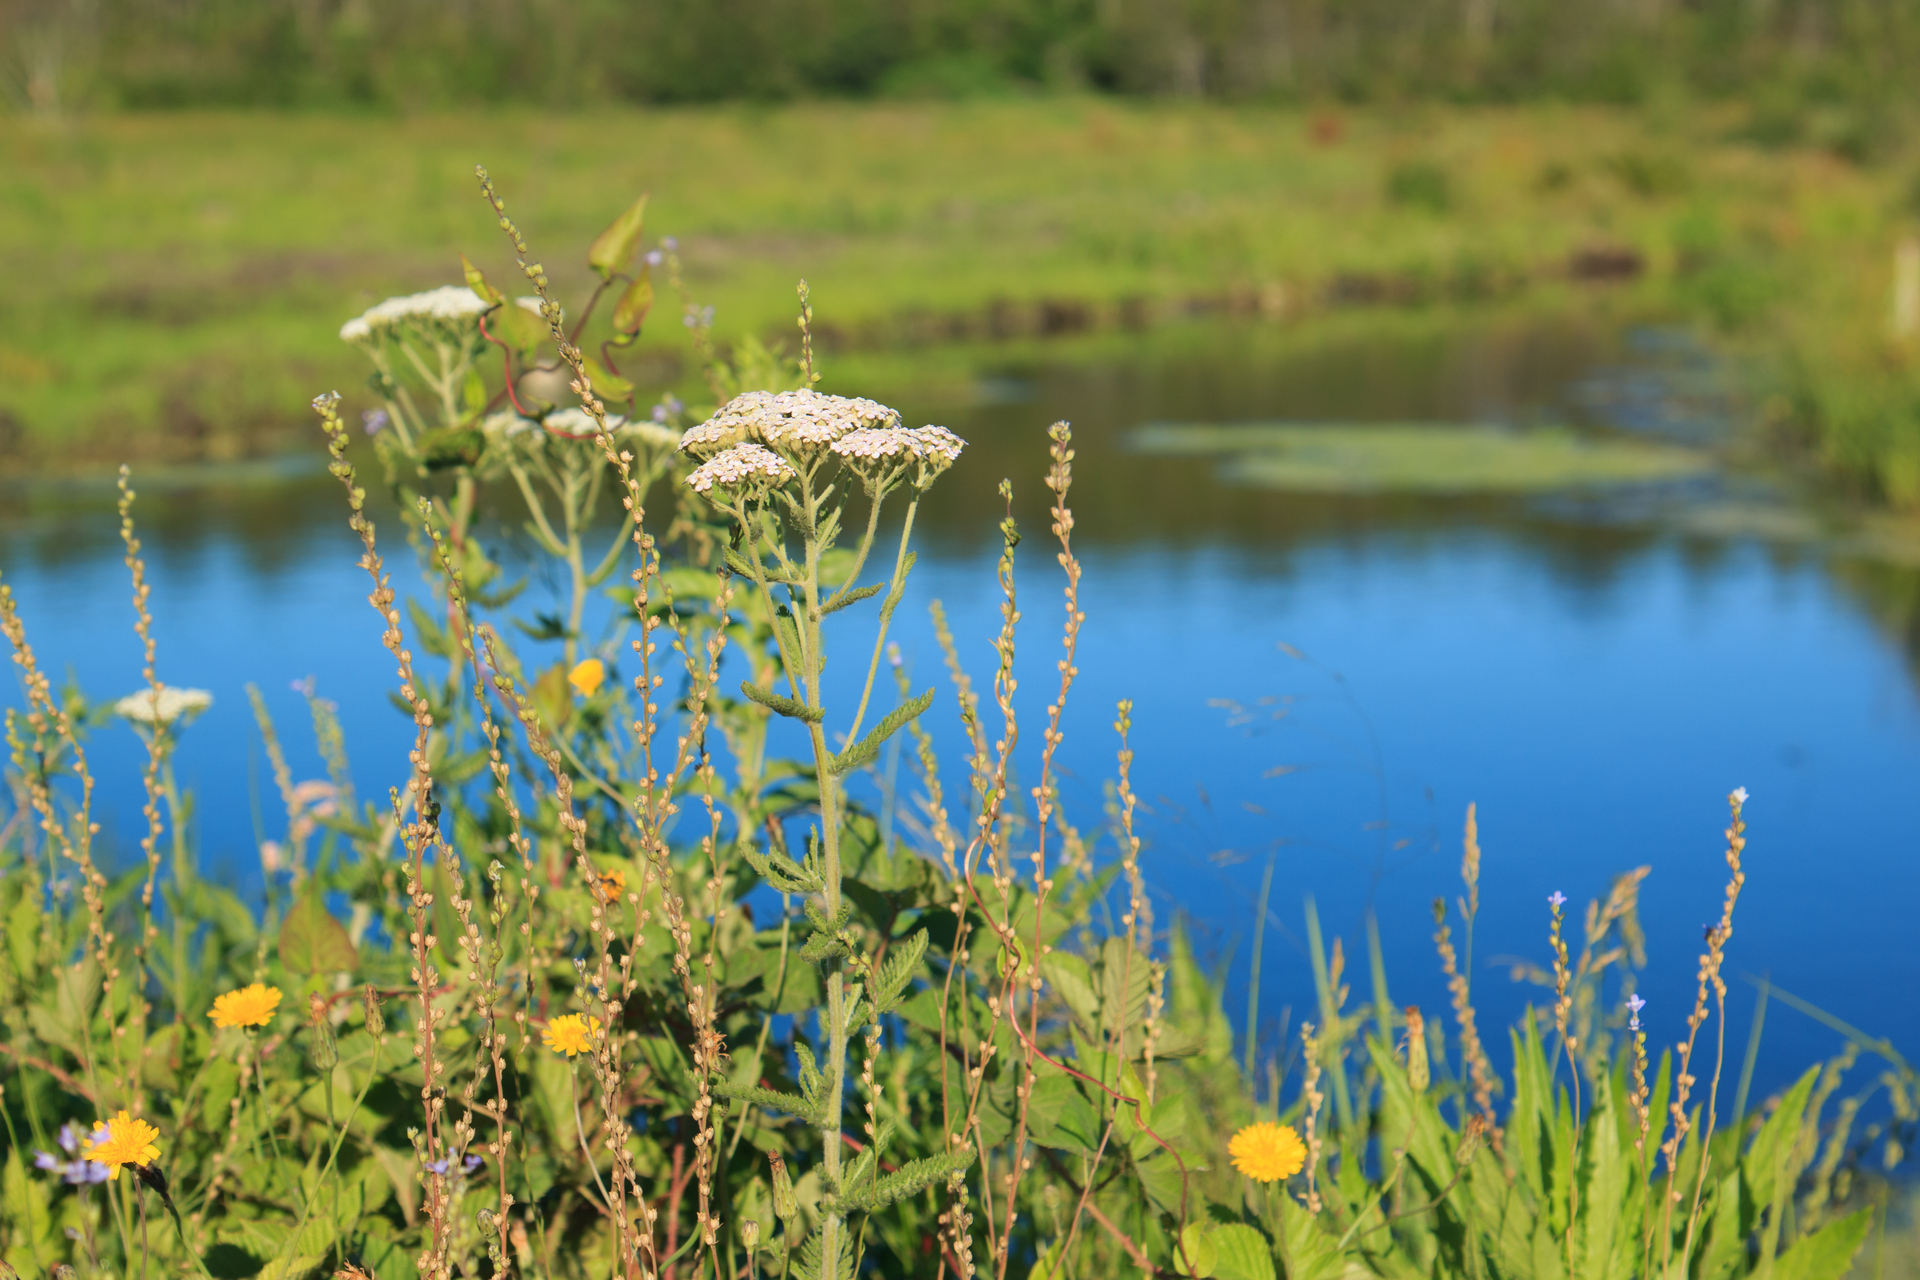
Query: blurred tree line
[409,54]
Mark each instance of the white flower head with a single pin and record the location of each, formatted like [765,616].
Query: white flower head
[938,447]
[1739,795]
[163,707]
[880,454]
[744,463]
[792,421]
[507,423]
[576,423]
[451,304]
[649,433]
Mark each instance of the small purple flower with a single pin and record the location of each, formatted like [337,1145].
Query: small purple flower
[302,687]
[1556,899]
[660,413]
[437,1166]
[1634,1005]
[73,1172]
[473,1164]
[82,1172]
[374,420]
[689,320]
[655,257]
[670,244]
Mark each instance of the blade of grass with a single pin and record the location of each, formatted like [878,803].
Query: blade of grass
[1881,1046]
[1329,1015]
[1753,1053]
[1253,975]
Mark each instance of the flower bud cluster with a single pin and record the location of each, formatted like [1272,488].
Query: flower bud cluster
[879,454]
[797,426]
[743,463]
[451,303]
[794,421]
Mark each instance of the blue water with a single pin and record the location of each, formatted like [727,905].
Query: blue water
[1596,691]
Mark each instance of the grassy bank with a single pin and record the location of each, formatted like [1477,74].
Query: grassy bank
[176,281]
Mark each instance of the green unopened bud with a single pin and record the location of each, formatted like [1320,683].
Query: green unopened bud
[750,1235]
[322,1052]
[785,1206]
[375,1023]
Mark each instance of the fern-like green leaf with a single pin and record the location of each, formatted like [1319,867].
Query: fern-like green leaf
[784,705]
[869,747]
[790,1103]
[782,872]
[898,972]
[851,596]
[909,1179]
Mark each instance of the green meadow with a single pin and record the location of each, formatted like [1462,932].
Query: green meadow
[187,272]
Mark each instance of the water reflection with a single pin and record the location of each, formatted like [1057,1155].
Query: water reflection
[1595,676]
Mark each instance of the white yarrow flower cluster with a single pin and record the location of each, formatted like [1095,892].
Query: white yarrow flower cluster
[791,420]
[935,448]
[578,423]
[452,302]
[170,704]
[744,462]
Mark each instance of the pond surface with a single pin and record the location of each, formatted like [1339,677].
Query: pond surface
[1321,683]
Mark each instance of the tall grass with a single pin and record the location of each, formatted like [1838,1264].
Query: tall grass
[630,974]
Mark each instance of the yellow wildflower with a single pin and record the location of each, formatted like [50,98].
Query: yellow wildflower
[123,1140]
[609,885]
[570,1034]
[248,1007]
[1267,1152]
[587,677]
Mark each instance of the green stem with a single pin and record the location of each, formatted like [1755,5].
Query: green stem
[339,1139]
[1253,975]
[894,590]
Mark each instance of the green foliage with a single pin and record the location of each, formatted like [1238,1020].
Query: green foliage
[408,53]
[569,1003]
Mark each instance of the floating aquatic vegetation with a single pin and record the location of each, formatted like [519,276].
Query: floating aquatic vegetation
[1416,458]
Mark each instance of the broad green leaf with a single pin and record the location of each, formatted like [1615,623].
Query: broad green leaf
[1724,1247]
[1124,977]
[312,941]
[1072,980]
[1529,1127]
[1244,1254]
[613,248]
[1306,1249]
[1195,1255]
[298,1267]
[1196,1004]
[1159,1176]
[1060,1116]
[29,1212]
[553,697]
[1777,1138]
[477,282]
[635,301]
[23,936]
[607,384]
[518,327]
[1828,1252]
